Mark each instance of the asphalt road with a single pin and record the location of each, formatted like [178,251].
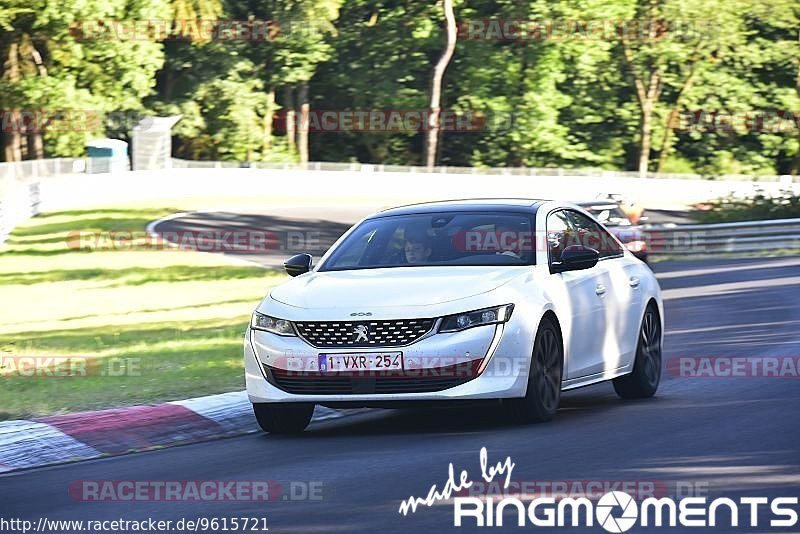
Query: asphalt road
[272,235]
[267,237]
[722,437]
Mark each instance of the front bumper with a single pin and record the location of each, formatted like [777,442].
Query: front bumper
[486,362]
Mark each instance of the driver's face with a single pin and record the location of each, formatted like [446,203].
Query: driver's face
[417,252]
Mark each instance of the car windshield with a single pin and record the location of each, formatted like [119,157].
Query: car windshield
[430,239]
[609,215]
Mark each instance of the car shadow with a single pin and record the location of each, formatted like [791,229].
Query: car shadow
[463,419]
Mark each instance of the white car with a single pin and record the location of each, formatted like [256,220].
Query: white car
[512,301]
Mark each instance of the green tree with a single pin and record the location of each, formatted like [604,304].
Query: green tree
[49,64]
[684,39]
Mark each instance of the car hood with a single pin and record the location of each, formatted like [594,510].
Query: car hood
[367,289]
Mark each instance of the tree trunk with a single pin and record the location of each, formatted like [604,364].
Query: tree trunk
[267,144]
[169,83]
[666,142]
[432,133]
[647,97]
[302,127]
[12,139]
[35,148]
[645,137]
[796,163]
[288,105]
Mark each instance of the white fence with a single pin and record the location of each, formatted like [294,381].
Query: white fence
[503,171]
[57,166]
[20,185]
[50,185]
[36,168]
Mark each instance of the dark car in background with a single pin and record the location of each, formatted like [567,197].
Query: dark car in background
[612,216]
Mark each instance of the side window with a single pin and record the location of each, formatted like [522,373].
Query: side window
[590,234]
[558,229]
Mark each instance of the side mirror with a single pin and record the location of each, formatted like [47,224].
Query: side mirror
[299,264]
[576,258]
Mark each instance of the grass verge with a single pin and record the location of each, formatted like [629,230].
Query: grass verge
[145,324]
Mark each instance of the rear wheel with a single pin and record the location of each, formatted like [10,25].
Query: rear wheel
[643,381]
[283,418]
[541,399]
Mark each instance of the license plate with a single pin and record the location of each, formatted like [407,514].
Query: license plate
[365,361]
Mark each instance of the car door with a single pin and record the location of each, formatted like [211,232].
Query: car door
[622,298]
[579,296]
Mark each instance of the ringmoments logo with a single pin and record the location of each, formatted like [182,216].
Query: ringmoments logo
[615,511]
[618,511]
[616,500]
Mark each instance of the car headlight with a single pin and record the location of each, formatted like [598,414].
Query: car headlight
[282,327]
[462,321]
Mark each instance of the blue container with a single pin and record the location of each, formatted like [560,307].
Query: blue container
[107,155]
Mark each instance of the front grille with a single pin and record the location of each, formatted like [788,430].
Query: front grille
[335,334]
[314,383]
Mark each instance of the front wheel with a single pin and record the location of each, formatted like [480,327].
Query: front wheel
[283,418]
[544,378]
[643,381]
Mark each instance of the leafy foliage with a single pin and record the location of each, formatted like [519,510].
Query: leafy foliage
[757,207]
[565,99]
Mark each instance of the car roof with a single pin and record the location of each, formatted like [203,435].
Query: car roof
[472,204]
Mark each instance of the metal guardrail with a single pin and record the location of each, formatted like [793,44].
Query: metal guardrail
[749,236]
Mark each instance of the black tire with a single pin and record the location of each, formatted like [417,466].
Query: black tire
[543,394]
[643,381]
[283,418]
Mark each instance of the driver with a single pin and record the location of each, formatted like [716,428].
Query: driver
[417,248]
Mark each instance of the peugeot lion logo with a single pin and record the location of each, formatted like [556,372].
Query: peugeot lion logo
[361,333]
